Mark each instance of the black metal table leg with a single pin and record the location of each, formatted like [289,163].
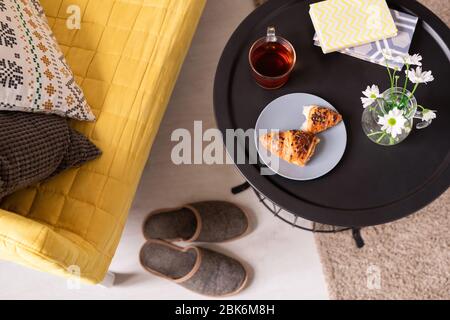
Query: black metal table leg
[240,188]
[356,232]
[289,217]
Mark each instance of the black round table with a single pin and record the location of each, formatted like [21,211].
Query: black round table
[372,184]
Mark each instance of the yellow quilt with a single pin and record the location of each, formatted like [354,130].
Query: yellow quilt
[126,57]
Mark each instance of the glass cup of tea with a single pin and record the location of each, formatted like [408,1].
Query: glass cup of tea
[272,59]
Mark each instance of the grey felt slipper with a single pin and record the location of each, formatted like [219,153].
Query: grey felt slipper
[198,269]
[208,221]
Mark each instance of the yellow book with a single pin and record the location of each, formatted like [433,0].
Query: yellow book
[342,24]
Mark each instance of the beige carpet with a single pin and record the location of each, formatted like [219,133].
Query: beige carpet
[440,7]
[407,259]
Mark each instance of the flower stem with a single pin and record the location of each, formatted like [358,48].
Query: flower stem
[406,79]
[393,85]
[390,76]
[381,138]
[374,133]
[379,104]
[414,90]
[391,79]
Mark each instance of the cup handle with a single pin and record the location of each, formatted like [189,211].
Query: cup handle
[271,37]
[422,124]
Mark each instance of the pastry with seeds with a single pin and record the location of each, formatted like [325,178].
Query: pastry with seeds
[319,119]
[294,146]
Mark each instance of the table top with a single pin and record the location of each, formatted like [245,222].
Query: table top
[372,184]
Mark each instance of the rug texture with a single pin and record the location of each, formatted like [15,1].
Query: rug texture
[406,259]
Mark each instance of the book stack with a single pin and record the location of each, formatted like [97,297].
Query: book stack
[362,29]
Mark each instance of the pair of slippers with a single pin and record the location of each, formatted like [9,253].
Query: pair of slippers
[198,269]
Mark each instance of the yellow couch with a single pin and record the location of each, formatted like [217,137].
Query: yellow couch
[126,57]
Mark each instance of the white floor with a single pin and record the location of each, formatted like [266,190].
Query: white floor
[284,260]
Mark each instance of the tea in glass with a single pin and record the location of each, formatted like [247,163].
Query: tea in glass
[272,59]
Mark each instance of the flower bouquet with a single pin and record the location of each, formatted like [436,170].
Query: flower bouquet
[388,117]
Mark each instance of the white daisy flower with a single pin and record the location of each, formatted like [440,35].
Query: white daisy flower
[370,95]
[387,54]
[428,115]
[393,122]
[417,76]
[413,60]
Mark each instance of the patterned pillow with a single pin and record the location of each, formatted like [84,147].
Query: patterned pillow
[35,147]
[34,76]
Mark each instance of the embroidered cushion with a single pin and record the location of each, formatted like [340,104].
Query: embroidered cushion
[34,76]
[35,147]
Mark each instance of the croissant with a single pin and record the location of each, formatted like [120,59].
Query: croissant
[319,119]
[294,146]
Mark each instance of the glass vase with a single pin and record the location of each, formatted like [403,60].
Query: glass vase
[391,99]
